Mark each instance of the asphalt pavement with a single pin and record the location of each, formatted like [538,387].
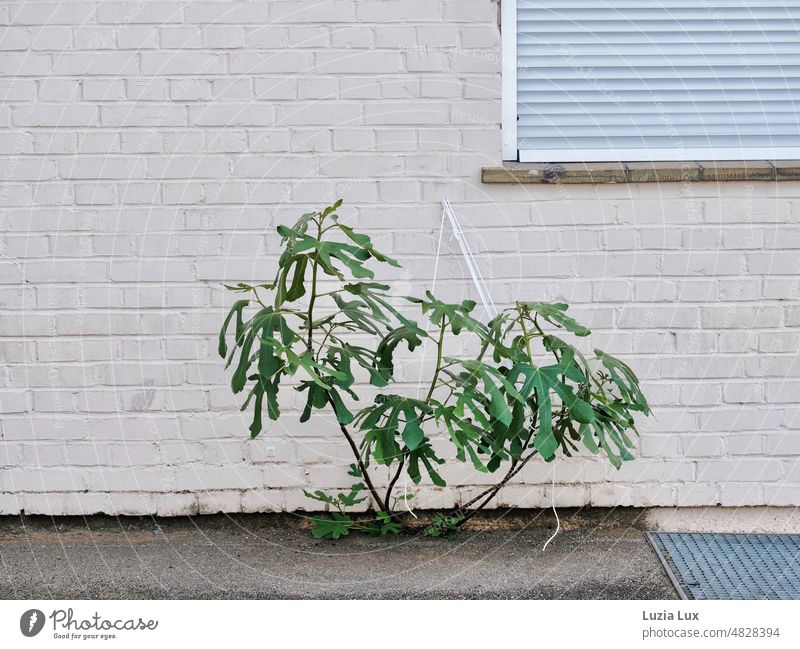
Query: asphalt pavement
[598,554]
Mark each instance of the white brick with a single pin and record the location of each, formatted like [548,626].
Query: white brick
[393,113]
[137,38]
[781,495]
[89,64]
[749,392]
[232,115]
[69,115]
[131,12]
[104,89]
[235,13]
[11,401]
[299,12]
[95,194]
[734,317]
[214,502]
[697,495]
[98,142]
[190,89]
[143,115]
[59,90]
[231,89]
[702,445]
[745,444]
[778,341]
[149,89]
[738,470]
[252,62]
[260,500]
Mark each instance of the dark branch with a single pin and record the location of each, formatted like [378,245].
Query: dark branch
[363,468]
[387,503]
[492,491]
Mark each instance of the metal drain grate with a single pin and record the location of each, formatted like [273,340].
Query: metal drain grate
[731,566]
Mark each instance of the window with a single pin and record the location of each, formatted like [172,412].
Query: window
[651,80]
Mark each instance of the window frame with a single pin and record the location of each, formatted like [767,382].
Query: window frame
[508,44]
[511,152]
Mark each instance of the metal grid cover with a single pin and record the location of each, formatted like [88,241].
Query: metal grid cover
[731,566]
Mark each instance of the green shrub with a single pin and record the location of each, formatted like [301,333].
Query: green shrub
[525,392]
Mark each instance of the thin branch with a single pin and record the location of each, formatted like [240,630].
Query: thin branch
[492,492]
[387,503]
[362,467]
[439,344]
[312,299]
[514,469]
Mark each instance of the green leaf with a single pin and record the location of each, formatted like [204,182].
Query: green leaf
[364,288]
[338,358]
[366,359]
[625,380]
[343,415]
[329,211]
[412,433]
[241,287]
[456,316]
[384,525]
[556,315]
[307,362]
[264,318]
[271,392]
[351,499]
[236,310]
[359,313]
[588,439]
[578,409]
[351,256]
[426,455]
[255,427]
[366,243]
[297,288]
[386,348]
[332,528]
[321,496]
[443,524]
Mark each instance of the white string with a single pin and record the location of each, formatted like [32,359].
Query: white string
[474,270]
[553,505]
[424,348]
[488,304]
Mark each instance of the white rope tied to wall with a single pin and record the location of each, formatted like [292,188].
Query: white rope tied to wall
[472,265]
[448,214]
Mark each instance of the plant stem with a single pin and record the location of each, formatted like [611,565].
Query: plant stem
[387,503]
[525,335]
[362,467]
[439,344]
[492,491]
[322,344]
[516,467]
[311,301]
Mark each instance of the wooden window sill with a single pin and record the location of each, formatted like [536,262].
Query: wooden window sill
[641,172]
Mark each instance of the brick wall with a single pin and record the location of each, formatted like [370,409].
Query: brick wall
[149,149]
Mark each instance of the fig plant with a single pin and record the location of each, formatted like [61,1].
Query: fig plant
[324,324]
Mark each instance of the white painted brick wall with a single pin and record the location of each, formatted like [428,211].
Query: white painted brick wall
[148,150]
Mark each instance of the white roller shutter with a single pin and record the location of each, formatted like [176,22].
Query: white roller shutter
[634,80]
